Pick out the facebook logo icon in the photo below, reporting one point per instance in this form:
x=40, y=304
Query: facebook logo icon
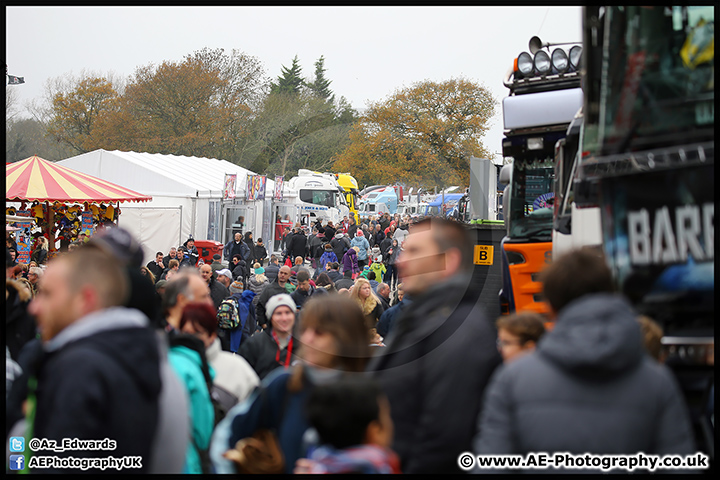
x=17, y=462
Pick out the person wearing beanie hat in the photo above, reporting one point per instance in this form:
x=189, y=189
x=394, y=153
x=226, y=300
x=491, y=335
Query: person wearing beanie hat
x=257, y=282
x=282, y=299
x=340, y=244
x=237, y=287
x=121, y=244
x=125, y=249
x=363, y=245
x=328, y=256
x=191, y=251
x=274, y=347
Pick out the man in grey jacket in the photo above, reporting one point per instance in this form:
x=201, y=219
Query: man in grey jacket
x=101, y=373
x=590, y=387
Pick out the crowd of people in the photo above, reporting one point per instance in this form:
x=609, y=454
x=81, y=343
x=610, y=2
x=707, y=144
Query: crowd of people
x=346, y=349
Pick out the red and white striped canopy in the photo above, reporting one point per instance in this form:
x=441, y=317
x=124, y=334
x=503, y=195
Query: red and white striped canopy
x=36, y=179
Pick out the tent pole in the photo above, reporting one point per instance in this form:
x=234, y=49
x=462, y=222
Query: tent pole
x=51, y=227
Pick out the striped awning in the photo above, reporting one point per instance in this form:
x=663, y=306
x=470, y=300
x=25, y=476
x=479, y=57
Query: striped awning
x=36, y=179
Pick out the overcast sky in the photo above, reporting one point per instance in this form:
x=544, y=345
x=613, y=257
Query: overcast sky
x=369, y=51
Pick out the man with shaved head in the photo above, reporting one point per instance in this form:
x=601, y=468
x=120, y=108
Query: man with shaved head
x=99, y=375
x=218, y=291
x=280, y=285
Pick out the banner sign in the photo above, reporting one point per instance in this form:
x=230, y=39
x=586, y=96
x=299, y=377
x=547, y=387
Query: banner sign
x=278, y=189
x=229, y=186
x=88, y=227
x=23, y=238
x=256, y=187
x=658, y=236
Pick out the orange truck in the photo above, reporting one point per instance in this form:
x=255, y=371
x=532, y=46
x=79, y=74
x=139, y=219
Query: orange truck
x=544, y=97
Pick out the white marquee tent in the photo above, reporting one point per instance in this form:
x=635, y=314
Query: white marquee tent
x=187, y=196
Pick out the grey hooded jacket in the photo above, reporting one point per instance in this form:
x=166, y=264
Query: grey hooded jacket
x=118, y=379
x=589, y=387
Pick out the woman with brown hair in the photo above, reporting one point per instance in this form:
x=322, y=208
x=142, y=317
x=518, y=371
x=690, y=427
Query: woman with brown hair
x=333, y=343
x=234, y=377
x=323, y=281
x=146, y=272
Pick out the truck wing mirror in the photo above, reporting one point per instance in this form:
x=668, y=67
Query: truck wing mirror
x=505, y=172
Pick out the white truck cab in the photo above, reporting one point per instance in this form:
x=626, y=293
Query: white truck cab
x=319, y=196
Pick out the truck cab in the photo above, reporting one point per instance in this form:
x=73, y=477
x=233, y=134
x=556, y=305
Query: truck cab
x=383, y=200
x=350, y=186
x=319, y=196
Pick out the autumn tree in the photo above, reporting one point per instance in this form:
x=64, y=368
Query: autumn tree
x=422, y=135
x=240, y=97
x=169, y=109
x=211, y=104
x=76, y=112
x=197, y=107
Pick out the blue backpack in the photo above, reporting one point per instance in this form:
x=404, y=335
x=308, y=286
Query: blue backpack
x=246, y=314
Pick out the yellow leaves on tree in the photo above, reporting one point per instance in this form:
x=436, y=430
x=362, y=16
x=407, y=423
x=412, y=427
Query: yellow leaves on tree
x=170, y=109
x=423, y=135
x=78, y=112
x=197, y=107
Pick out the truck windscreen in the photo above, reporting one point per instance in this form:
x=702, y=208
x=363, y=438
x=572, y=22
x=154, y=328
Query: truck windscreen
x=531, y=200
x=659, y=79
x=325, y=198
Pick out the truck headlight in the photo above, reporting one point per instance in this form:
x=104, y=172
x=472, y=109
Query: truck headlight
x=560, y=60
x=535, y=143
x=575, y=54
x=525, y=64
x=542, y=62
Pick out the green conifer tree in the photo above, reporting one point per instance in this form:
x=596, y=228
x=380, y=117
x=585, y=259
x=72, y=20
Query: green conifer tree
x=320, y=86
x=290, y=80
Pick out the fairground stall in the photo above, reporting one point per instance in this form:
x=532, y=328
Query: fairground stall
x=62, y=202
